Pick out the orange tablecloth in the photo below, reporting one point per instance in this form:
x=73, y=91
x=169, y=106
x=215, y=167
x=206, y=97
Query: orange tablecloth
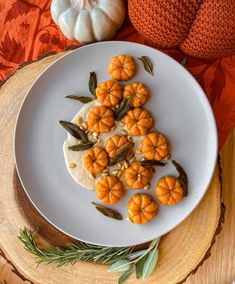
x=28, y=31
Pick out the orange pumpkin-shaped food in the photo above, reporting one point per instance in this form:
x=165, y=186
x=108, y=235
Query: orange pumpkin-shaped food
x=109, y=189
x=122, y=67
x=138, y=121
x=95, y=160
x=138, y=92
x=101, y=119
x=141, y=208
x=109, y=93
x=114, y=143
x=155, y=146
x=169, y=190
x=203, y=28
x=137, y=176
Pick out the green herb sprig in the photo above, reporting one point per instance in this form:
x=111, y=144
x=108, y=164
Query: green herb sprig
x=122, y=259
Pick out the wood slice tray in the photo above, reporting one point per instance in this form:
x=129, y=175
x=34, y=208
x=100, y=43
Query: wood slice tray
x=181, y=251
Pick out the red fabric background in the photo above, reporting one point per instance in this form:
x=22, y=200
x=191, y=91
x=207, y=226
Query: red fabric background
x=28, y=31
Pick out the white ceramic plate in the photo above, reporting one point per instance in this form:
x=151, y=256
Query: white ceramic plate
x=180, y=109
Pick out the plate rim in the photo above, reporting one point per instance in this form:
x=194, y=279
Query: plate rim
x=208, y=109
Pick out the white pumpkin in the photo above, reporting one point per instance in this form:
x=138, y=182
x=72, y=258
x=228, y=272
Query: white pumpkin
x=88, y=20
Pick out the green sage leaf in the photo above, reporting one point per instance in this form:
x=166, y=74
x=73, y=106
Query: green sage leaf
x=136, y=254
x=139, y=266
x=125, y=275
x=74, y=130
x=123, y=108
x=120, y=265
x=148, y=66
x=81, y=146
x=108, y=212
x=122, y=154
x=92, y=83
x=183, y=179
x=150, y=263
x=151, y=163
x=154, y=243
x=81, y=99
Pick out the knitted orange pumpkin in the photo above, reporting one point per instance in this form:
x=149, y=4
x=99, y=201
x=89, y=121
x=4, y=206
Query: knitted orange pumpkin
x=137, y=176
x=138, y=121
x=109, y=93
x=138, y=92
x=100, y=119
x=155, y=146
x=95, y=160
x=122, y=67
x=114, y=143
x=169, y=190
x=109, y=189
x=201, y=28
x=141, y=208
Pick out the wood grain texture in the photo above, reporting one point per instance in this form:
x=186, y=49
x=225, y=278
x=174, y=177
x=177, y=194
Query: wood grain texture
x=180, y=251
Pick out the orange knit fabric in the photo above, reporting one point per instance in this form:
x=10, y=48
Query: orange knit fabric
x=200, y=28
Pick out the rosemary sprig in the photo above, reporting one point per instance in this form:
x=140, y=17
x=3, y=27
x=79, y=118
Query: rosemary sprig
x=72, y=252
x=123, y=259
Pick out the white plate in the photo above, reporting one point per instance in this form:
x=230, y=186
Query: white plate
x=180, y=109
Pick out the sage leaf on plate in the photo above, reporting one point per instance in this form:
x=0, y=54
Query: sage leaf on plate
x=81, y=99
x=150, y=263
x=183, y=179
x=148, y=66
x=125, y=275
x=151, y=163
x=120, y=265
x=123, y=108
x=81, y=146
x=108, y=212
x=92, y=83
x=122, y=153
x=75, y=130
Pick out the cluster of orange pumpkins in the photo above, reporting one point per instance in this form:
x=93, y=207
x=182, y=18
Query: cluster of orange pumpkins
x=154, y=146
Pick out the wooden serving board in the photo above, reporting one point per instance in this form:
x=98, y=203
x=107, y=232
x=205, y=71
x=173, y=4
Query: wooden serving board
x=181, y=251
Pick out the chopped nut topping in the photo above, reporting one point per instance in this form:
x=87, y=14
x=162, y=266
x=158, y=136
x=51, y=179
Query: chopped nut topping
x=72, y=166
x=92, y=176
x=147, y=187
x=79, y=120
x=84, y=125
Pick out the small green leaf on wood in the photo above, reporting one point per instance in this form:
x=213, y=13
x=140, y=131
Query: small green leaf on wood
x=81, y=99
x=148, y=66
x=139, y=266
x=125, y=275
x=136, y=254
x=123, y=108
x=150, y=263
x=120, y=265
x=92, y=83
